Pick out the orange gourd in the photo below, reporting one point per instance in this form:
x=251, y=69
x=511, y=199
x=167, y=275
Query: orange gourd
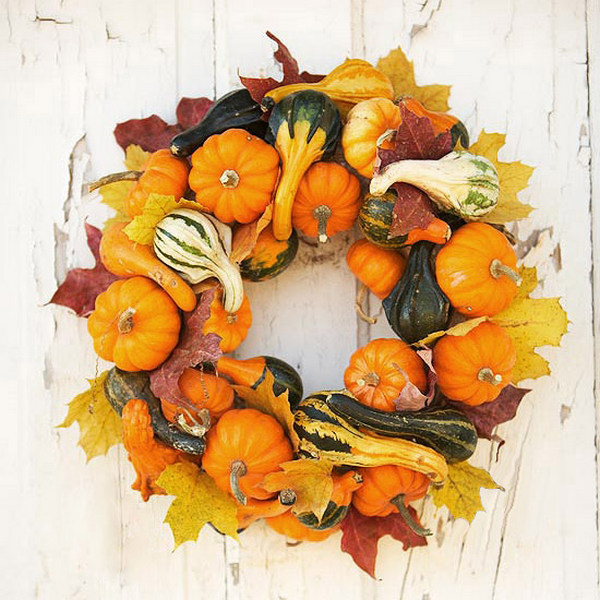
x=389, y=489
x=377, y=372
x=234, y=174
x=441, y=122
x=367, y=122
x=124, y=258
x=205, y=392
x=232, y=327
x=476, y=270
x=135, y=324
x=287, y=524
x=241, y=449
x=327, y=201
x=378, y=268
x=259, y=509
x=473, y=368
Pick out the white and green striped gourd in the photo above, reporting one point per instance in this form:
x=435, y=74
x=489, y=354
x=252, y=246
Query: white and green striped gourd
x=197, y=246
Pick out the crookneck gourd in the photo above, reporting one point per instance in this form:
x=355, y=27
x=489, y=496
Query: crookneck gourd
x=417, y=306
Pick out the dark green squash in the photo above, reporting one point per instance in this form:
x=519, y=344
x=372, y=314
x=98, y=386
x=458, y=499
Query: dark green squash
x=331, y=517
x=270, y=257
x=375, y=220
x=417, y=306
x=445, y=430
x=235, y=109
x=121, y=386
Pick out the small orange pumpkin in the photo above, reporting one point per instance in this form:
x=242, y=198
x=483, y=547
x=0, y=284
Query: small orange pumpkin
x=476, y=269
x=287, y=524
x=231, y=327
x=163, y=174
x=234, y=174
x=367, y=122
x=204, y=391
x=378, y=268
x=327, y=201
x=376, y=373
x=135, y=324
x=473, y=368
x=241, y=449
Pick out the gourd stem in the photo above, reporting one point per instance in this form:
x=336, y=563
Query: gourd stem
x=236, y=470
x=322, y=214
x=358, y=305
x=398, y=502
x=229, y=179
x=125, y=322
x=498, y=269
x=287, y=497
x=488, y=376
x=114, y=177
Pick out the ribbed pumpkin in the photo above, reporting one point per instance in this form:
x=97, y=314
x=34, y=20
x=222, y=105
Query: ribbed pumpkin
x=475, y=367
x=378, y=268
x=135, y=324
x=287, y=524
x=269, y=257
x=231, y=326
x=476, y=269
x=327, y=201
x=366, y=123
x=376, y=373
x=234, y=174
x=204, y=391
x=163, y=174
x=241, y=449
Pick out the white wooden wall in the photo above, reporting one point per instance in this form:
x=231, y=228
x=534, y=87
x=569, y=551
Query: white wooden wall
x=71, y=69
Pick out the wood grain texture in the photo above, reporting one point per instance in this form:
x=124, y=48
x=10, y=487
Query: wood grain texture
x=71, y=70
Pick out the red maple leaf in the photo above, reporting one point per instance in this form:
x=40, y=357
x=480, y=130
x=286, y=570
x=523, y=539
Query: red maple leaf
x=193, y=348
x=190, y=111
x=259, y=86
x=413, y=210
x=81, y=286
x=360, y=536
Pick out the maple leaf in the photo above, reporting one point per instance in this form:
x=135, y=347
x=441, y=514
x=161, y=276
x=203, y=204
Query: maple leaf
x=532, y=322
x=193, y=348
x=310, y=480
x=198, y=501
x=412, y=210
x=360, y=536
x=136, y=157
x=411, y=397
x=246, y=236
x=99, y=425
x=190, y=111
x=489, y=414
x=81, y=286
x=258, y=87
x=401, y=73
x=460, y=491
x=513, y=177
x=459, y=329
x=263, y=398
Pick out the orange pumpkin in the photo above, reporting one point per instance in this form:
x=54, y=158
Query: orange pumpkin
x=473, y=368
x=135, y=324
x=287, y=524
x=232, y=327
x=327, y=201
x=378, y=268
x=234, y=174
x=377, y=372
x=163, y=174
x=259, y=509
x=476, y=269
x=367, y=122
x=204, y=391
x=241, y=449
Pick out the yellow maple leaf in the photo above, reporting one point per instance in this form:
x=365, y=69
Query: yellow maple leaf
x=135, y=157
x=264, y=399
x=460, y=492
x=141, y=229
x=532, y=322
x=310, y=480
x=114, y=194
x=513, y=176
x=459, y=329
x=99, y=425
x=401, y=73
x=198, y=501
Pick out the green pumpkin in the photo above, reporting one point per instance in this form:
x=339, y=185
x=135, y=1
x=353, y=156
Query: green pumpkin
x=270, y=257
x=375, y=220
x=331, y=517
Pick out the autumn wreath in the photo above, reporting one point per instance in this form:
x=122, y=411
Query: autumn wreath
x=224, y=195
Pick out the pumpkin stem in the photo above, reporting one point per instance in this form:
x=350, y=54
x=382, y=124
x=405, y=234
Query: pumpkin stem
x=358, y=305
x=236, y=470
x=322, y=214
x=488, y=376
x=399, y=503
x=125, y=322
x=113, y=178
x=287, y=497
x=369, y=379
x=229, y=179
x=498, y=269
x=231, y=318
